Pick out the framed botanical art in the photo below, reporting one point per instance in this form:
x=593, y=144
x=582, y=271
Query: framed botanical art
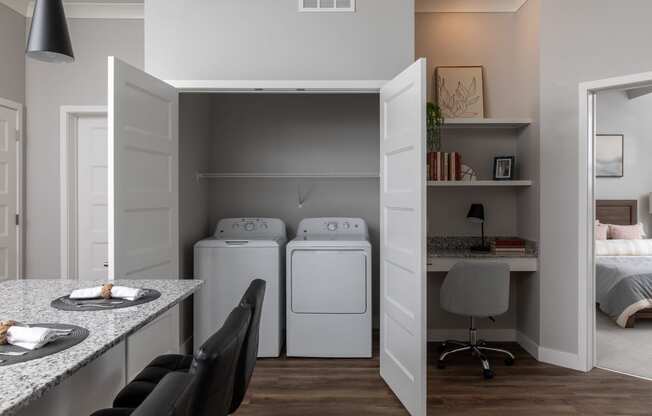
x=459, y=91
x=609, y=152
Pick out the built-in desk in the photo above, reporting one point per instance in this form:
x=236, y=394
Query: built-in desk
x=444, y=252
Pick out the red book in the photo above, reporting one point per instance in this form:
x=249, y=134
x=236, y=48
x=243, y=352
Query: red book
x=458, y=167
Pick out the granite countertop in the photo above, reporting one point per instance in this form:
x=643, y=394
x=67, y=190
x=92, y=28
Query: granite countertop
x=461, y=247
x=29, y=301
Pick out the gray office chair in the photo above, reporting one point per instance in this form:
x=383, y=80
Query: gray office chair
x=477, y=290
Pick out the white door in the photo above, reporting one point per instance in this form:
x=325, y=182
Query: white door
x=143, y=175
x=92, y=183
x=403, y=363
x=9, y=134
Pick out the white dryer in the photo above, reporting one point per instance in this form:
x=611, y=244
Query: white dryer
x=328, y=272
x=242, y=249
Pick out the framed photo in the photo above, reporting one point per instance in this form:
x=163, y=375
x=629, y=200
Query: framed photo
x=609, y=152
x=504, y=168
x=459, y=91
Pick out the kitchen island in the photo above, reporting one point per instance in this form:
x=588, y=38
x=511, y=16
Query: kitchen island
x=87, y=376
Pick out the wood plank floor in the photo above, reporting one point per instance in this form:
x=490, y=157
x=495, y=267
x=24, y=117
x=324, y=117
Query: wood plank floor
x=325, y=387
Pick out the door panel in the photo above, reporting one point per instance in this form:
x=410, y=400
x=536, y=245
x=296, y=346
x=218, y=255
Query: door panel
x=8, y=193
x=403, y=363
x=143, y=175
x=92, y=183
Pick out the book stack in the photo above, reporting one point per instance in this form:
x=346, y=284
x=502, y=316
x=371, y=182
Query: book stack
x=444, y=166
x=508, y=246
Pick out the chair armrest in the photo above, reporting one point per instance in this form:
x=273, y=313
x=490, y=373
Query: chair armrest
x=162, y=400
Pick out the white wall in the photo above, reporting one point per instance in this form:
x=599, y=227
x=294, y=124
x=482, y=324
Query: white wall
x=271, y=40
x=619, y=115
x=582, y=40
x=12, y=55
x=50, y=86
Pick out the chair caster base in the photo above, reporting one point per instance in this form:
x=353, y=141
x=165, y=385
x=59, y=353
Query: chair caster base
x=488, y=374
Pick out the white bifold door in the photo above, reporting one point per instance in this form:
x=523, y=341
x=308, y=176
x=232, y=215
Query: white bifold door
x=143, y=197
x=403, y=363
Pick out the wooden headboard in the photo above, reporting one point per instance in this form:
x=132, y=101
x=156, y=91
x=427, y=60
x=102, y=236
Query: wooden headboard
x=620, y=212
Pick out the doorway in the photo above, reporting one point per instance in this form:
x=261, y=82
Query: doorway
x=592, y=290
x=84, y=190
x=11, y=166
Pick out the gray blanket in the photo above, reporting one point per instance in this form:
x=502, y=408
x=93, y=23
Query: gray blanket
x=623, y=286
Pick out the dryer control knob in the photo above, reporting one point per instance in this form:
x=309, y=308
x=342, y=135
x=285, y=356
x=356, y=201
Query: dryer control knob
x=346, y=225
x=331, y=226
x=250, y=226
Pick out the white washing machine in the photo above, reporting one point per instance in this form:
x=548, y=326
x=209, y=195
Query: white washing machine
x=328, y=272
x=242, y=249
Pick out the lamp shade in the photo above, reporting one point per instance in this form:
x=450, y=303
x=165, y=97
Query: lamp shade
x=49, y=39
x=476, y=213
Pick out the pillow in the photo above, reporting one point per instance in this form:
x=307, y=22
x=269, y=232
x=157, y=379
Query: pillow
x=623, y=248
x=626, y=232
x=601, y=231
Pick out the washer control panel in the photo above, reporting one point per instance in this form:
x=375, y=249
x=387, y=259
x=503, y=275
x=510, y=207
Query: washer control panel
x=245, y=228
x=338, y=226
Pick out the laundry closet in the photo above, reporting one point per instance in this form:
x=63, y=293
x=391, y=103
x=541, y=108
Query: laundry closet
x=184, y=154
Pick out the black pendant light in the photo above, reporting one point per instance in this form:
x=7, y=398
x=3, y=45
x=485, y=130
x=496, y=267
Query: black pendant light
x=49, y=39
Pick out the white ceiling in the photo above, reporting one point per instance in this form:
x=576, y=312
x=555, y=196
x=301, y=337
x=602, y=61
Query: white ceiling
x=104, y=9
x=468, y=6
x=133, y=9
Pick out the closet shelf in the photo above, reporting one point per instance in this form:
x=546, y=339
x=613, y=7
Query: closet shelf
x=486, y=123
x=363, y=175
x=522, y=183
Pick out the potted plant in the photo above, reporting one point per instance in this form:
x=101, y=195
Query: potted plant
x=434, y=121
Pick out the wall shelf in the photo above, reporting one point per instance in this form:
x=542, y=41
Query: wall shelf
x=486, y=123
x=363, y=175
x=460, y=184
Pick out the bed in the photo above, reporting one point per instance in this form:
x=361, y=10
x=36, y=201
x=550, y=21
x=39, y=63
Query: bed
x=623, y=267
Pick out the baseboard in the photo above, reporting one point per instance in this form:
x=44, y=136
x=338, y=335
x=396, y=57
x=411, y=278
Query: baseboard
x=560, y=358
x=491, y=335
x=528, y=344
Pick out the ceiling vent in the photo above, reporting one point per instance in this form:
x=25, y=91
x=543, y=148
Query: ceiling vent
x=326, y=5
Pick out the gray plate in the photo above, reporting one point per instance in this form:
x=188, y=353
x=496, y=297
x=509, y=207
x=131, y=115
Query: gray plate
x=77, y=335
x=64, y=303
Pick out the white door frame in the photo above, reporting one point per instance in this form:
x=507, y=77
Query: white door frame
x=586, y=259
x=20, y=167
x=68, y=164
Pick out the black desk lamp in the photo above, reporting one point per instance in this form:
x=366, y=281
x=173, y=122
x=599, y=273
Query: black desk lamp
x=476, y=215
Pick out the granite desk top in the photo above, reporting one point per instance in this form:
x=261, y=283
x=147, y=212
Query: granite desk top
x=460, y=247
x=29, y=301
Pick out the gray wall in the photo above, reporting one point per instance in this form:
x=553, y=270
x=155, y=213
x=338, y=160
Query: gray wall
x=582, y=40
x=619, y=115
x=49, y=86
x=506, y=45
x=12, y=51
x=271, y=40
x=297, y=133
x=526, y=98
x=486, y=39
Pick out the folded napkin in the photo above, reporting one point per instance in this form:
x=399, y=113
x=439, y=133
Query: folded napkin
x=32, y=338
x=88, y=293
x=128, y=293
x=119, y=292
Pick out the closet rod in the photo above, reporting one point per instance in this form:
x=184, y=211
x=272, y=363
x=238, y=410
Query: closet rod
x=203, y=175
